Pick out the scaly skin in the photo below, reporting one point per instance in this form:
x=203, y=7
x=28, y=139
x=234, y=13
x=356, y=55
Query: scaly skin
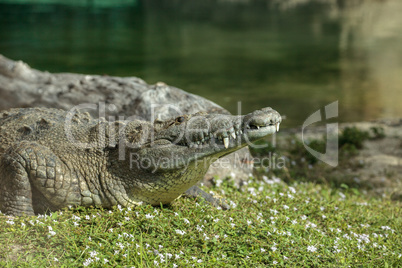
x=50, y=159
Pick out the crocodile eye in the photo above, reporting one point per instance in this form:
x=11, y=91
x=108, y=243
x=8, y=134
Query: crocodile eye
x=180, y=119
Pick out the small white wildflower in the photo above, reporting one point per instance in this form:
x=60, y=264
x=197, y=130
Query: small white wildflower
x=262, y=250
x=186, y=221
x=149, y=216
x=180, y=232
x=93, y=253
x=342, y=195
x=311, y=248
x=273, y=248
x=87, y=262
x=52, y=233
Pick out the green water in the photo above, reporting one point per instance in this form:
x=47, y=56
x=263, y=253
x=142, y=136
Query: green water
x=296, y=58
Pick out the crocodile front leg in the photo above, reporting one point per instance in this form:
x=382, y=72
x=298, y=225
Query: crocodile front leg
x=33, y=180
x=196, y=192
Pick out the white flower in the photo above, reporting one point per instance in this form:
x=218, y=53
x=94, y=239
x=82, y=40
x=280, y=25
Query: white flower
x=262, y=250
x=93, y=253
x=273, y=248
x=180, y=232
x=311, y=248
x=186, y=221
x=52, y=233
x=87, y=262
x=149, y=216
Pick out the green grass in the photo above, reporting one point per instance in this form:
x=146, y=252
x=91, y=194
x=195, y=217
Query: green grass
x=270, y=223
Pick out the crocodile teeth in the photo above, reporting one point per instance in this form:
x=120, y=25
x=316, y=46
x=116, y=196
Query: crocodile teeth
x=277, y=127
x=226, y=142
x=233, y=135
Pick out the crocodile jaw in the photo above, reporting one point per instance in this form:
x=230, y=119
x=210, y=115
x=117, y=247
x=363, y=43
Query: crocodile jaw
x=207, y=136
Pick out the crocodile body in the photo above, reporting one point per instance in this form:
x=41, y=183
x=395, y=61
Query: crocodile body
x=51, y=158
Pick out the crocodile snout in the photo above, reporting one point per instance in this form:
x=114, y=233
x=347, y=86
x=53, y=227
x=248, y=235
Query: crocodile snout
x=262, y=118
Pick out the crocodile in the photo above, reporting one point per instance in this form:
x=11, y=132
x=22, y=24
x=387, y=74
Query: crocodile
x=52, y=158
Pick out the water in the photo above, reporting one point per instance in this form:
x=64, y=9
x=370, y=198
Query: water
x=295, y=56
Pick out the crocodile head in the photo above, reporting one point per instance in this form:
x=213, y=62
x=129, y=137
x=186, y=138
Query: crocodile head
x=171, y=156
x=176, y=143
